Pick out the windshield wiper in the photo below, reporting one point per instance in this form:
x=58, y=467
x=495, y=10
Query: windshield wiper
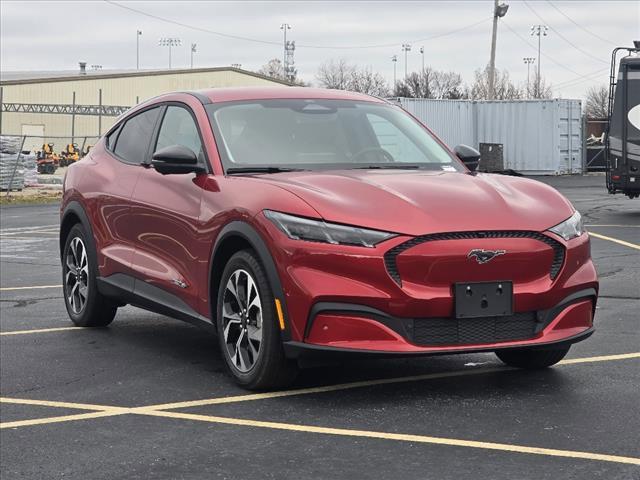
x=237, y=170
x=390, y=166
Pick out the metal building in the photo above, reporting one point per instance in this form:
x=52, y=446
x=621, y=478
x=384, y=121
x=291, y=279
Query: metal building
x=87, y=103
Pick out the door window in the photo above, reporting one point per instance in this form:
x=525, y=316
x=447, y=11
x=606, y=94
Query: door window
x=134, y=138
x=179, y=128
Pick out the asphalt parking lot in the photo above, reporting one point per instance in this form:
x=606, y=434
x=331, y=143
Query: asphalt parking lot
x=148, y=397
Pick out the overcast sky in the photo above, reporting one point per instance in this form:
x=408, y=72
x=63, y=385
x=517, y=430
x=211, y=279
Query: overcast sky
x=54, y=35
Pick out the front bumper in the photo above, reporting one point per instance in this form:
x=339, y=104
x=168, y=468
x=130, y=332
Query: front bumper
x=343, y=298
x=343, y=329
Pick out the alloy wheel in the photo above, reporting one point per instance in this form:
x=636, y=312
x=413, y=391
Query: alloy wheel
x=76, y=279
x=242, y=320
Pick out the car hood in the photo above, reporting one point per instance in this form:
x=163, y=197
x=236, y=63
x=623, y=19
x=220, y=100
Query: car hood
x=416, y=203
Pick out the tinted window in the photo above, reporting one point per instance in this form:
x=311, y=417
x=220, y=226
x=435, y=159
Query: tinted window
x=135, y=136
x=112, y=137
x=179, y=128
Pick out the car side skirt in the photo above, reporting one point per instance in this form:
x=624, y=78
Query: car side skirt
x=128, y=289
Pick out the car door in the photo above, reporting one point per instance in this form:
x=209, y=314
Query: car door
x=112, y=183
x=165, y=216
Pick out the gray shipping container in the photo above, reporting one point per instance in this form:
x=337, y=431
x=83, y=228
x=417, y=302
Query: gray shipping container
x=540, y=137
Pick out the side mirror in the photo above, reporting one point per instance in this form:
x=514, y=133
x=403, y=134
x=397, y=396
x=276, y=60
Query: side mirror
x=468, y=155
x=176, y=159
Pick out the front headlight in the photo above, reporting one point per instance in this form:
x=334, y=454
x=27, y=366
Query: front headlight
x=571, y=228
x=299, y=228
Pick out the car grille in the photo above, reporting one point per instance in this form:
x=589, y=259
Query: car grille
x=451, y=331
x=392, y=267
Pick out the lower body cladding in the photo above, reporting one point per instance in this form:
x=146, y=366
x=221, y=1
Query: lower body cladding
x=345, y=300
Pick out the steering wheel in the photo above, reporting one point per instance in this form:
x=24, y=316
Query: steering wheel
x=388, y=157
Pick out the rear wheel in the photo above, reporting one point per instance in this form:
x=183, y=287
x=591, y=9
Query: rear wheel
x=532, y=358
x=85, y=305
x=248, y=331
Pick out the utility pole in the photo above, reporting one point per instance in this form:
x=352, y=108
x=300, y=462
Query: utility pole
x=539, y=31
x=499, y=11
x=284, y=27
x=422, y=53
x=405, y=48
x=193, y=50
x=138, y=33
x=394, y=59
x=169, y=42
x=528, y=61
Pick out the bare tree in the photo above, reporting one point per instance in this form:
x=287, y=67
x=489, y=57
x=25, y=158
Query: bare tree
x=365, y=80
x=597, y=103
x=335, y=74
x=341, y=75
x=431, y=83
x=273, y=68
x=504, y=88
x=539, y=89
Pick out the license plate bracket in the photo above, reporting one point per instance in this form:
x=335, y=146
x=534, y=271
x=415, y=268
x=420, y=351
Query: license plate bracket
x=483, y=299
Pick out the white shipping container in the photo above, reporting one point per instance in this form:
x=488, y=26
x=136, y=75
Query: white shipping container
x=451, y=120
x=540, y=137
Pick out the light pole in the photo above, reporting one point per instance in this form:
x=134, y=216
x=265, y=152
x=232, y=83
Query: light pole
x=169, y=42
x=528, y=61
x=499, y=11
x=405, y=48
x=539, y=31
x=422, y=53
x=193, y=50
x=284, y=27
x=138, y=33
x=394, y=59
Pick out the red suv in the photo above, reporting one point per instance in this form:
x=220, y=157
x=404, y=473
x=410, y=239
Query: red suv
x=303, y=222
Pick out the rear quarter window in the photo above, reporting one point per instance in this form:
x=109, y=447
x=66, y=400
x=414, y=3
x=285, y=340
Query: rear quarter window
x=134, y=137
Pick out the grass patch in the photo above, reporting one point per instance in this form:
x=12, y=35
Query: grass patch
x=31, y=197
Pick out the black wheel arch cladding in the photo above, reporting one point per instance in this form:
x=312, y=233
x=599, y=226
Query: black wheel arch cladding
x=247, y=237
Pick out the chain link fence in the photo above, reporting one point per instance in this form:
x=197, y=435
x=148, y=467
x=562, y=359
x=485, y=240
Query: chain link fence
x=35, y=161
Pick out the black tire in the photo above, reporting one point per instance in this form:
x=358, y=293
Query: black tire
x=532, y=358
x=96, y=310
x=269, y=369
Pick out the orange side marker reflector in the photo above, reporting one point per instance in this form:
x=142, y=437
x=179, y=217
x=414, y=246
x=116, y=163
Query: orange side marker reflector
x=280, y=315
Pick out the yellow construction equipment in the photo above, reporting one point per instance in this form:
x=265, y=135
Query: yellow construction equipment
x=69, y=155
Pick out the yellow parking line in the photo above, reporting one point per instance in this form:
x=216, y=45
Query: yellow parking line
x=40, y=330
x=615, y=240
x=399, y=437
x=327, y=388
x=371, y=383
x=155, y=410
x=54, y=404
x=109, y=410
x=35, y=287
x=602, y=358
x=63, y=418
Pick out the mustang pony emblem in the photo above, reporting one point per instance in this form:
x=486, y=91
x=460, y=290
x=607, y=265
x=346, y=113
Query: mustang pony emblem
x=483, y=256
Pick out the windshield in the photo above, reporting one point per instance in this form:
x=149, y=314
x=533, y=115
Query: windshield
x=319, y=134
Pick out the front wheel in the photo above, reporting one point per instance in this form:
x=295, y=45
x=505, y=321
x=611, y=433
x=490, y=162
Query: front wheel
x=248, y=331
x=532, y=358
x=86, y=306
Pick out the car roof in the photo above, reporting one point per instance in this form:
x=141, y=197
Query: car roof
x=216, y=95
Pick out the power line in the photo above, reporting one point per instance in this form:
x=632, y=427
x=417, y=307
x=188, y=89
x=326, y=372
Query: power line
x=584, y=52
x=268, y=42
x=588, y=77
x=580, y=26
